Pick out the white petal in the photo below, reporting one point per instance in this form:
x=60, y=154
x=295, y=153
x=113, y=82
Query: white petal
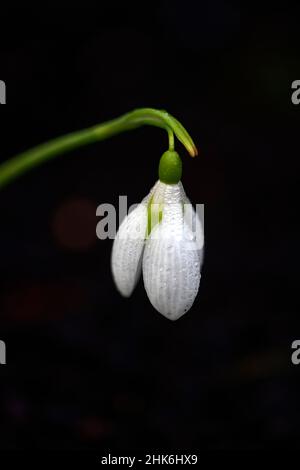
x=171, y=267
x=128, y=246
x=192, y=219
x=168, y=193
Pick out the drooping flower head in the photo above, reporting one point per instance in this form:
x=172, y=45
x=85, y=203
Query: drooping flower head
x=163, y=237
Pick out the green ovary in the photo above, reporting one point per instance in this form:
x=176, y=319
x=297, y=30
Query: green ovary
x=170, y=167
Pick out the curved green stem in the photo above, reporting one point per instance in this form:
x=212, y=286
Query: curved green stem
x=16, y=166
x=171, y=139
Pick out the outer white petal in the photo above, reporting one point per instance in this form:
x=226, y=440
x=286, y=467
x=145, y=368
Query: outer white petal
x=168, y=193
x=192, y=219
x=128, y=246
x=195, y=223
x=171, y=266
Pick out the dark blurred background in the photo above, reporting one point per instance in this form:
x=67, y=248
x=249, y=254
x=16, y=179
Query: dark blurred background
x=87, y=369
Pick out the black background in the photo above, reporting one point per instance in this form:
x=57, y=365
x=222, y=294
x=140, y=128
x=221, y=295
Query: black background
x=87, y=369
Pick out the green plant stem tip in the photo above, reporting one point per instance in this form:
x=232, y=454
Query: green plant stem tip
x=18, y=165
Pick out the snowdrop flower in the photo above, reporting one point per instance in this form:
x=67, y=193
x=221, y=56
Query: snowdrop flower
x=162, y=237
x=158, y=237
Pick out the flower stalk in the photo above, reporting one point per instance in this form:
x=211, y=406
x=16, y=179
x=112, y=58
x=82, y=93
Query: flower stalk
x=24, y=162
